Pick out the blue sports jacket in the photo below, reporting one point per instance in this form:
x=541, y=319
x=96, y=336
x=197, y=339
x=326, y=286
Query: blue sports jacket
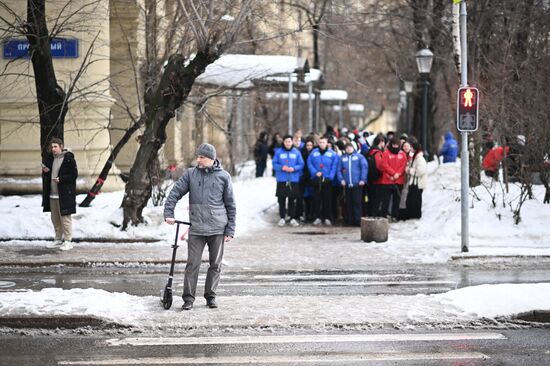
x=449, y=150
x=326, y=163
x=353, y=169
x=291, y=158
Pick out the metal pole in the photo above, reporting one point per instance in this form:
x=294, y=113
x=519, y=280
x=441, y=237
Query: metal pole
x=407, y=117
x=340, y=115
x=464, y=158
x=317, y=111
x=290, y=98
x=425, y=112
x=310, y=105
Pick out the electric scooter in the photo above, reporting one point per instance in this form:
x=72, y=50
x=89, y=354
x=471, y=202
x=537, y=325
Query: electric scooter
x=166, y=295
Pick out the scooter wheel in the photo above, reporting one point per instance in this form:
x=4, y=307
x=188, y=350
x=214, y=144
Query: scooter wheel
x=167, y=299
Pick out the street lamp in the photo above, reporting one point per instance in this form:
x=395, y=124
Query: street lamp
x=424, y=60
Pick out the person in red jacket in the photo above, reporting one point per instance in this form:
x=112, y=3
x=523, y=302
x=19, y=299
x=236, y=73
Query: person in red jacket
x=491, y=161
x=392, y=168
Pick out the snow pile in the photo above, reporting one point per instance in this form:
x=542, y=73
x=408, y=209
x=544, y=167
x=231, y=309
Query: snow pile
x=456, y=306
x=490, y=301
x=120, y=308
x=436, y=236
x=22, y=216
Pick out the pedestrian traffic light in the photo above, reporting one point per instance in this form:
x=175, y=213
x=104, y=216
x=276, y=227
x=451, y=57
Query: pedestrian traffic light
x=467, y=109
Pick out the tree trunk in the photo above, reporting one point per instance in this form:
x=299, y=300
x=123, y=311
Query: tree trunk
x=174, y=87
x=52, y=105
x=94, y=191
x=316, y=63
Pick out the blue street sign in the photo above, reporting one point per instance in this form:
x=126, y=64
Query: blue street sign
x=60, y=48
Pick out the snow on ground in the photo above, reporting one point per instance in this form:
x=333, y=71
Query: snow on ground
x=434, y=238
x=456, y=306
x=22, y=216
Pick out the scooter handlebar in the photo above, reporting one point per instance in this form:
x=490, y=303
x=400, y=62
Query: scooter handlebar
x=183, y=222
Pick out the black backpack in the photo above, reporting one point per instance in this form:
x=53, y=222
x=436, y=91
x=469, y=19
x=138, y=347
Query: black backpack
x=373, y=173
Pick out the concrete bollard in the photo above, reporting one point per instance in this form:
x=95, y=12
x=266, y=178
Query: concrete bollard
x=374, y=229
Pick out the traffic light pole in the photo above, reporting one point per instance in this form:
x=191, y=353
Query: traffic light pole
x=464, y=156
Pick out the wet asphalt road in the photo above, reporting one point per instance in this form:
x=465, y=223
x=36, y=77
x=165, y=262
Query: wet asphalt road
x=506, y=347
x=498, y=346
x=427, y=279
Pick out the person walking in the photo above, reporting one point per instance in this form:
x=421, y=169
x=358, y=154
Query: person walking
x=212, y=213
x=322, y=164
x=288, y=166
x=352, y=175
x=260, y=154
x=59, y=173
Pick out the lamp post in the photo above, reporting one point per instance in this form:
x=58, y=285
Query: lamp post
x=408, y=89
x=424, y=60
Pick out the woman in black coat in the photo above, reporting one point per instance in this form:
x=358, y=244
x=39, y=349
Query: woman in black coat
x=59, y=173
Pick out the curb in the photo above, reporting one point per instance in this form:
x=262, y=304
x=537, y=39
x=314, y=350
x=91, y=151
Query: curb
x=539, y=316
x=504, y=256
x=53, y=322
x=89, y=263
x=92, y=240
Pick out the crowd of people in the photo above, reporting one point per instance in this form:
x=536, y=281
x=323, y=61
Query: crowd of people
x=345, y=175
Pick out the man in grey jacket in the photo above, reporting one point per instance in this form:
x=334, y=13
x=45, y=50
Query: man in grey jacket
x=212, y=214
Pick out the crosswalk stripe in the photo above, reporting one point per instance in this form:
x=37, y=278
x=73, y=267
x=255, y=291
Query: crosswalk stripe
x=388, y=337
x=294, y=359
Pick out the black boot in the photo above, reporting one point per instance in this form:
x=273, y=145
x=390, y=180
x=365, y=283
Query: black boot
x=211, y=303
x=187, y=305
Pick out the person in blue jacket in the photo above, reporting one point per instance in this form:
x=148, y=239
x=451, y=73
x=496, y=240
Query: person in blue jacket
x=449, y=150
x=322, y=164
x=288, y=166
x=352, y=175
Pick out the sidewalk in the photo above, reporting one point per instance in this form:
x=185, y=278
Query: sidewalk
x=25, y=253
x=302, y=248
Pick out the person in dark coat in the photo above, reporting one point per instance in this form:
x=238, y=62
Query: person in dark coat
x=305, y=182
x=260, y=154
x=59, y=173
x=276, y=143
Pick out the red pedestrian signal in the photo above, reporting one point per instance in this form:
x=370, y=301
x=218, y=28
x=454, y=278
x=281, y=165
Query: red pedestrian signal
x=467, y=109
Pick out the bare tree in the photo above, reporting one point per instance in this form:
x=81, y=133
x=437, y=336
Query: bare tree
x=212, y=36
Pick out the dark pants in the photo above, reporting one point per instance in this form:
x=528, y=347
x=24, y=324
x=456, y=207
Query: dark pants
x=354, y=200
x=308, y=207
x=389, y=196
x=195, y=247
x=291, y=207
x=260, y=168
x=414, y=203
x=322, y=198
x=300, y=200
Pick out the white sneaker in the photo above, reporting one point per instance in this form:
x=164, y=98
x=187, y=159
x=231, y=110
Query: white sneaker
x=67, y=245
x=55, y=245
x=294, y=223
x=282, y=222
x=328, y=223
x=317, y=222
